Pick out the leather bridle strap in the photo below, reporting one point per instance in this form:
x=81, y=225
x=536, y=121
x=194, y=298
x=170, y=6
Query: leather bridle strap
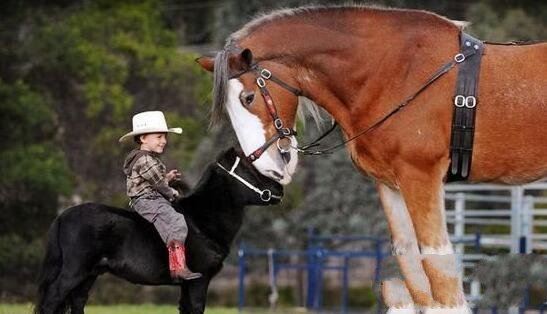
x=264, y=75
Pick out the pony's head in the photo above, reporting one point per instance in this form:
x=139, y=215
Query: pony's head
x=246, y=184
x=251, y=90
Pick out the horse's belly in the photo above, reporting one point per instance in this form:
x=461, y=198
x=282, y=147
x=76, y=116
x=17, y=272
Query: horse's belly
x=511, y=159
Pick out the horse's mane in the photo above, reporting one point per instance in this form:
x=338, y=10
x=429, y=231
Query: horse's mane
x=275, y=15
x=306, y=107
x=203, y=181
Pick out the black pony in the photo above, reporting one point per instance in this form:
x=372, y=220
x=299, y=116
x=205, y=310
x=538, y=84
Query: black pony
x=88, y=240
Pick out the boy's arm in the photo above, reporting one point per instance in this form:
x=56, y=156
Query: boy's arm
x=151, y=172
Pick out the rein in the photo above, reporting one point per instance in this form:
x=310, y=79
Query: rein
x=281, y=132
x=265, y=195
x=458, y=58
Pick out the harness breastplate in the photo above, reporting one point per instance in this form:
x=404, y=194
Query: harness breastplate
x=465, y=105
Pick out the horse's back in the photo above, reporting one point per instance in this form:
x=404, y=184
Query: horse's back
x=510, y=141
x=100, y=238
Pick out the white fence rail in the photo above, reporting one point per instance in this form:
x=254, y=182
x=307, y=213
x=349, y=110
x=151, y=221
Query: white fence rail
x=515, y=218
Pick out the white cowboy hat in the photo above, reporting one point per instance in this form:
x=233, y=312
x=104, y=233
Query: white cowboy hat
x=149, y=122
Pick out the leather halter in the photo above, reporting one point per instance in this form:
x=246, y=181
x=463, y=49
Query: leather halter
x=262, y=76
x=265, y=195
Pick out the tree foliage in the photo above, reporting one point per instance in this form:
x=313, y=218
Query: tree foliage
x=71, y=78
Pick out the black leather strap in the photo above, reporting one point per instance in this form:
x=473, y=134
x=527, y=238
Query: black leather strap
x=465, y=104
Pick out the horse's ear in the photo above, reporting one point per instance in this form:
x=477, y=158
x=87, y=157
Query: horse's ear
x=208, y=63
x=247, y=56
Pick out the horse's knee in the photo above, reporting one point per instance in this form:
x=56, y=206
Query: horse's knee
x=444, y=248
x=404, y=247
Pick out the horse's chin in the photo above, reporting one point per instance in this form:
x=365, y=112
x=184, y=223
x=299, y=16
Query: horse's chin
x=274, y=167
x=286, y=179
x=282, y=178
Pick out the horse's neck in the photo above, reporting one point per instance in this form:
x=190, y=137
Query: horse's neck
x=363, y=61
x=217, y=215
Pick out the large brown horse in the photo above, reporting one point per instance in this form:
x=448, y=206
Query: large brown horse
x=358, y=63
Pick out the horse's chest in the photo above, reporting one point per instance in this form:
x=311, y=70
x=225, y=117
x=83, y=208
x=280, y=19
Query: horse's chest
x=370, y=165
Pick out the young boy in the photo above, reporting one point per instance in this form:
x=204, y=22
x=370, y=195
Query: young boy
x=148, y=189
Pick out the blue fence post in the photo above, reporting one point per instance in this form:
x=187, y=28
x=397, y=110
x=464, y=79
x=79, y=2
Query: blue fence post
x=525, y=300
x=318, y=280
x=379, y=257
x=522, y=245
x=345, y=283
x=478, y=242
x=312, y=269
x=242, y=270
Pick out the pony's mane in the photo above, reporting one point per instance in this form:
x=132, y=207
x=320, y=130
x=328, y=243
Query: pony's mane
x=306, y=107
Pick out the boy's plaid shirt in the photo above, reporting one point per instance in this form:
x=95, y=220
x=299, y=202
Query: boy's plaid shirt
x=146, y=175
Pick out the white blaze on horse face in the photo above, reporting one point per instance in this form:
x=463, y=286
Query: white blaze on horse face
x=251, y=135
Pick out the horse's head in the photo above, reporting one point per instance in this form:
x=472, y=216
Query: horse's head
x=261, y=99
x=245, y=183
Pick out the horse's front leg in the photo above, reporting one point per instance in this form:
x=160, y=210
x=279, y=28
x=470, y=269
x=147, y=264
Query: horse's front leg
x=402, y=297
x=423, y=193
x=193, y=295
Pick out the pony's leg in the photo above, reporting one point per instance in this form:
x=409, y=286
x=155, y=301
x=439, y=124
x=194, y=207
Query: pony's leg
x=424, y=197
x=193, y=296
x=405, y=248
x=56, y=298
x=80, y=295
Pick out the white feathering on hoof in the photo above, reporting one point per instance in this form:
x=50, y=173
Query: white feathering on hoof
x=462, y=309
x=403, y=310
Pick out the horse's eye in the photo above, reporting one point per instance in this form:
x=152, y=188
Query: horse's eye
x=247, y=98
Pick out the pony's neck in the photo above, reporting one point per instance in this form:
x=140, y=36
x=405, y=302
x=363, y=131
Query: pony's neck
x=365, y=60
x=217, y=215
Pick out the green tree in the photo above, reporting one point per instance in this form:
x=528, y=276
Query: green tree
x=98, y=65
x=507, y=21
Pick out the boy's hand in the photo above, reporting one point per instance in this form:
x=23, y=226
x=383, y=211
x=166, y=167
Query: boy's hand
x=173, y=174
x=176, y=195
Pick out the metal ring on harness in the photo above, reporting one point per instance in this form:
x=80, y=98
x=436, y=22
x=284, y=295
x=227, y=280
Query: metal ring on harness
x=284, y=148
x=470, y=102
x=459, y=101
x=460, y=57
x=266, y=74
x=260, y=82
x=266, y=195
x=278, y=124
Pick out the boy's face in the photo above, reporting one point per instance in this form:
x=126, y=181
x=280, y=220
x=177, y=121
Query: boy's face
x=154, y=142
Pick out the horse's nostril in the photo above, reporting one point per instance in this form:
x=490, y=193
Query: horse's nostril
x=277, y=175
x=286, y=157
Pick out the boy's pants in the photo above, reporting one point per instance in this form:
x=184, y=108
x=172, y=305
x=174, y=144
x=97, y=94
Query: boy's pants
x=156, y=209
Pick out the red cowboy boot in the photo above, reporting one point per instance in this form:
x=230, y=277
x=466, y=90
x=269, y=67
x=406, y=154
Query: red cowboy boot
x=177, y=262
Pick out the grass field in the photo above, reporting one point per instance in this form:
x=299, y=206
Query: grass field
x=115, y=309
x=145, y=309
